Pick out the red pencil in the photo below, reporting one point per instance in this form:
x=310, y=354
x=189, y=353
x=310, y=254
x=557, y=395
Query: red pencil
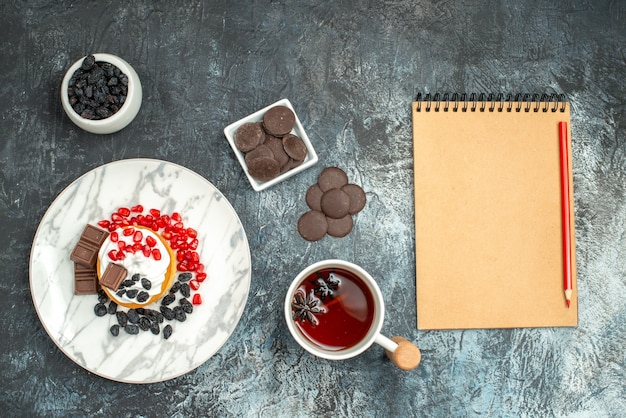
x=565, y=214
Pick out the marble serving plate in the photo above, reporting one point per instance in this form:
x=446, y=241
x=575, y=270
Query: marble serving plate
x=70, y=320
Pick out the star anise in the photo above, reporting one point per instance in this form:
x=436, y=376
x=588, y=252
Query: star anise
x=326, y=288
x=305, y=307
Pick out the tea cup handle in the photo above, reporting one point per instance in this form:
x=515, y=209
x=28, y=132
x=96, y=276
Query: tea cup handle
x=404, y=354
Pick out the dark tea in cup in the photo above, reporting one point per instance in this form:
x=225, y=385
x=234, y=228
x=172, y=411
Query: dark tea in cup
x=333, y=309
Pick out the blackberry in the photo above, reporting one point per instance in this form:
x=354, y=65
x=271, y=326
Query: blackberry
x=167, y=331
x=115, y=330
x=122, y=318
x=179, y=314
x=144, y=323
x=185, y=290
x=100, y=309
x=142, y=296
x=112, y=309
x=184, y=277
x=168, y=299
x=186, y=305
x=147, y=284
x=131, y=329
x=167, y=313
x=132, y=293
x=133, y=316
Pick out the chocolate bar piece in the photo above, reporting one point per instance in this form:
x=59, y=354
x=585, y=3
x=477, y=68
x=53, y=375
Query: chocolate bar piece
x=94, y=235
x=86, y=250
x=113, y=276
x=85, y=280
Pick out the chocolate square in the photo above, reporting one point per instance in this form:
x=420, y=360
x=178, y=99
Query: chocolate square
x=113, y=276
x=93, y=235
x=85, y=280
x=85, y=254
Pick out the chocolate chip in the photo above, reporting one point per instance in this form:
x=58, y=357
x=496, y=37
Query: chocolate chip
x=339, y=227
x=312, y=226
x=264, y=168
x=335, y=203
x=314, y=197
x=332, y=178
x=279, y=120
x=357, y=197
x=259, y=152
x=276, y=146
x=294, y=147
x=248, y=136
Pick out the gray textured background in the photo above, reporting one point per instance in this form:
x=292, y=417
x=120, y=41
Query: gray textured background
x=351, y=69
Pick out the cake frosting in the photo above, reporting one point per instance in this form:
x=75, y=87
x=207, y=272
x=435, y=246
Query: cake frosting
x=158, y=271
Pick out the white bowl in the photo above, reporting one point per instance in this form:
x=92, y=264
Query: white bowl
x=123, y=116
x=309, y=161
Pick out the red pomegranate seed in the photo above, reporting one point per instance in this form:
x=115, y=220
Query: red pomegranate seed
x=155, y=212
x=193, y=245
x=112, y=227
x=199, y=268
x=192, y=233
x=138, y=236
x=120, y=255
x=194, y=284
x=146, y=251
x=128, y=232
x=176, y=216
x=156, y=254
x=200, y=277
x=167, y=235
x=154, y=226
x=121, y=245
x=197, y=299
x=123, y=211
x=112, y=255
x=114, y=236
x=116, y=217
x=104, y=223
x=130, y=250
x=181, y=266
x=180, y=255
x=150, y=241
x=137, y=208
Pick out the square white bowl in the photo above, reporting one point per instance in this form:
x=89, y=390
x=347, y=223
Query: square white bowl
x=309, y=160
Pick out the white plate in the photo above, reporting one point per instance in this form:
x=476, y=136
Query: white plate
x=70, y=320
x=311, y=156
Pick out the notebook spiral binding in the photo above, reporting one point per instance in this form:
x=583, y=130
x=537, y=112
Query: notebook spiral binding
x=490, y=102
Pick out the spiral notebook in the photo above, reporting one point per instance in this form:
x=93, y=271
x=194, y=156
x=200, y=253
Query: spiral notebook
x=489, y=212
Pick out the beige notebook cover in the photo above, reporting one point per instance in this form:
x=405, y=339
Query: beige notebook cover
x=488, y=216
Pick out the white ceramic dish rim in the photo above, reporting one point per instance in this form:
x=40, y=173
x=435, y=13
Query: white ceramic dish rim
x=310, y=160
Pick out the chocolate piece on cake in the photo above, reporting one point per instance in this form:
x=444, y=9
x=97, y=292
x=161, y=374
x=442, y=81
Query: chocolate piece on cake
x=113, y=276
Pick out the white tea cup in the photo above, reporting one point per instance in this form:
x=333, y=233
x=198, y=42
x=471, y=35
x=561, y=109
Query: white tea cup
x=312, y=295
